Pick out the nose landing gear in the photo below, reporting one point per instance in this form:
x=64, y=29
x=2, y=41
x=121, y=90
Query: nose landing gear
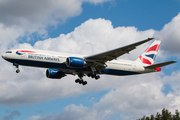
x=17, y=71
x=17, y=66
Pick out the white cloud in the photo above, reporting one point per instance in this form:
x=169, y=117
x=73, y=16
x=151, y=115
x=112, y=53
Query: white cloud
x=131, y=98
x=133, y=95
x=170, y=36
x=98, y=36
x=35, y=117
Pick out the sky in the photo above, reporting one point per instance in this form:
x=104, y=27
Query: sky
x=88, y=27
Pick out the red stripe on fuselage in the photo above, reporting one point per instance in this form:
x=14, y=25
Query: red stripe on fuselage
x=153, y=48
x=26, y=51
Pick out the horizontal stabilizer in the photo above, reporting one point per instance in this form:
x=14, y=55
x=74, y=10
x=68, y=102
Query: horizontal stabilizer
x=160, y=65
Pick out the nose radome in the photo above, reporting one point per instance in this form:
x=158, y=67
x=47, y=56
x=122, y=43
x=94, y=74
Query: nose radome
x=3, y=56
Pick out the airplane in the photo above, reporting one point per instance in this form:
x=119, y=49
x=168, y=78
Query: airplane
x=61, y=64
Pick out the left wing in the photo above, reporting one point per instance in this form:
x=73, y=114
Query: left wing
x=98, y=60
x=113, y=54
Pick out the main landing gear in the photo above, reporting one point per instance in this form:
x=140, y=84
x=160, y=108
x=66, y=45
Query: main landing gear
x=81, y=81
x=17, y=66
x=93, y=75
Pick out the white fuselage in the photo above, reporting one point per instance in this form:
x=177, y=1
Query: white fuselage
x=57, y=60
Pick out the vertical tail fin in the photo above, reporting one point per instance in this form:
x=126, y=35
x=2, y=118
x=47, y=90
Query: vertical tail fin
x=150, y=53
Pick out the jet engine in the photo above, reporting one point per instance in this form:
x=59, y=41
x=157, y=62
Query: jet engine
x=75, y=62
x=54, y=74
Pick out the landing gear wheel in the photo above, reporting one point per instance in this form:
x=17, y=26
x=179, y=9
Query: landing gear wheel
x=77, y=80
x=80, y=81
x=84, y=83
x=17, y=66
x=17, y=71
x=93, y=76
x=97, y=77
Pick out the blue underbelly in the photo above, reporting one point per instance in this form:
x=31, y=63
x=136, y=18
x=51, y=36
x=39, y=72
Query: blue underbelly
x=63, y=66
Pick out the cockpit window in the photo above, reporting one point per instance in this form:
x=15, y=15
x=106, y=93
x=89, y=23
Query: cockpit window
x=9, y=52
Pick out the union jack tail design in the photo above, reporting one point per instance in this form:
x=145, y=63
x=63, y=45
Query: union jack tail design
x=150, y=53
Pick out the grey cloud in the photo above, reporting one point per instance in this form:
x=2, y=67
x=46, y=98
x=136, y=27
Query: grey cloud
x=72, y=112
x=39, y=111
x=36, y=15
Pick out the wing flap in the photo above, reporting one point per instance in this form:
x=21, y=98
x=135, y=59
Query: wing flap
x=160, y=65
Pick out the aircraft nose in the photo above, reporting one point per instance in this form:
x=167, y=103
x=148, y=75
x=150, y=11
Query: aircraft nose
x=3, y=56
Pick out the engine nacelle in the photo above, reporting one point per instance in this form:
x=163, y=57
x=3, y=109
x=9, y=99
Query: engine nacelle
x=75, y=62
x=54, y=74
